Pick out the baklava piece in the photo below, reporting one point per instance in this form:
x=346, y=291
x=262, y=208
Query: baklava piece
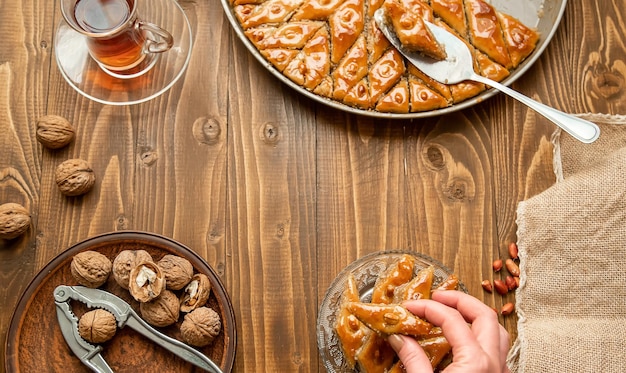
x=352, y=333
x=451, y=12
x=485, y=31
x=411, y=30
x=376, y=355
x=418, y=288
x=397, y=274
x=396, y=100
x=387, y=319
x=520, y=39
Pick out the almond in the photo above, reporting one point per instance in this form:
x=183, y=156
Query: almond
x=513, y=251
x=486, y=284
x=500, y=287
x=512, y=267
x=510, y=282
x=497, y=265
x=507, y=309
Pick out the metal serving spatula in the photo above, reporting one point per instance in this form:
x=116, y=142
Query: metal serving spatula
x=458, y=67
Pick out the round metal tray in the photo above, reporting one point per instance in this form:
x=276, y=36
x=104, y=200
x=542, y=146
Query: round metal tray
x=544, y=15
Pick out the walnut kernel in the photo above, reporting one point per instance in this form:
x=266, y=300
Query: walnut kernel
x=14, y=220
x=125, y=261
x=196, y=293
x=75, y=177
x=90, y=268
x=162, y=311
x=54, y=132
x=146, y=282
x=97, y=326
x=200, y=327
x=178, y=271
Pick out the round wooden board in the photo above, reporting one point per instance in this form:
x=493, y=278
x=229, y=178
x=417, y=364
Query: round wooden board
x=34, y=340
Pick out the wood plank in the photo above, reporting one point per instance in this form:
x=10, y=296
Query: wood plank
x=271, y=220
x=592, y=44
x=24, y=73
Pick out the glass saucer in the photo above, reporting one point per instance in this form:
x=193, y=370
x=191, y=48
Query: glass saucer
x=139, y=84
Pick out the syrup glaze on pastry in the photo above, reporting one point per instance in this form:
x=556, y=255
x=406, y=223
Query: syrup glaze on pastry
x=346, y=47
x=389, y=319
x=451, y=283
x=352, y=333
x=376, y=355
x=399, y=273
x=411, y=30
x=486, y=32
x=418, y=288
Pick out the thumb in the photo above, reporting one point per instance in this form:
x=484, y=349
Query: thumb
x=410, y=353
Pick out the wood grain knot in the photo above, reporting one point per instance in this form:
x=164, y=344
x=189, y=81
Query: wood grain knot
x=270, y=133
x=207, y=130
x=213, y=237
x=435, y=157
x=297, y=359
x=219, y=268
x=280, y=230
x=605, y=81
x=608, y=84
x=456, y=190
x=148, y=157
x=121, y=222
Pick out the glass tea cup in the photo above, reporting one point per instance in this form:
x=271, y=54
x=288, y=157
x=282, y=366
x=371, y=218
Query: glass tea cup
x=116, y=38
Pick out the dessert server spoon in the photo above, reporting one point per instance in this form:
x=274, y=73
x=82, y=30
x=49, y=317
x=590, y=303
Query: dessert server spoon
x=458, y=67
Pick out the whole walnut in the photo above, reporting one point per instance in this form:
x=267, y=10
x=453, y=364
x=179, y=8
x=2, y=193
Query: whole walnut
x=125, y=261
x=162, y=311
x=54, y=132
x=196, y=293
x=97, y=326
x=200, y=327
x=146, y=282
x=75, y=177
x=90, y=268
x=14, y=220
x=177, y=270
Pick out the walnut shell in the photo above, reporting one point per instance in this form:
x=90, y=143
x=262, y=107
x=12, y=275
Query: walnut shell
x=178, y=271
x=54, y=132
x=125, y=261
x=90, y=268
x=196, y=293
x=146, y=282
x=75, y=177
x=14, y=220
x=97, y=326
x=162, y=311
x=200, y=327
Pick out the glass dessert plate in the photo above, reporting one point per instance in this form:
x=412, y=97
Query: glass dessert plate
x=366, y=271
x=163, y=70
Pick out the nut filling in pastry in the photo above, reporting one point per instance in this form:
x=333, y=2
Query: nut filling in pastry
x=334, y=49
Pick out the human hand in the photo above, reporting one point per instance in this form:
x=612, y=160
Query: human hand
x=479, y=347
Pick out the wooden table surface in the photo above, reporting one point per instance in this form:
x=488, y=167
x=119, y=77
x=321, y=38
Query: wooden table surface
x=277, y=192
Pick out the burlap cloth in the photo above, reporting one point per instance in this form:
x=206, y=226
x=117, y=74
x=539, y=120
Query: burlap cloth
x=571, y=302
